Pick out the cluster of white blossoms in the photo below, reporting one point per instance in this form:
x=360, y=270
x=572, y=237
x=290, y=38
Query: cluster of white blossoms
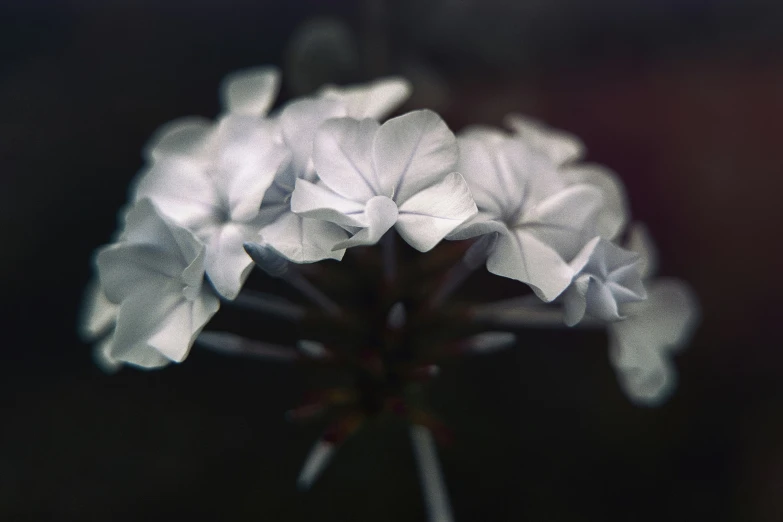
x=328, y=173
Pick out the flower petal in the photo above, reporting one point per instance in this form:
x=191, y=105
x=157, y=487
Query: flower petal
x=123, y=267
x=613, y=216
x=250, y=91
x=183, y=137
x=319, y=202
x=520, y=255
x=654, y=328
x=380, y=214
x=601, y=302
x=560, y=146
x=478, y=164
x=640, y=241
x=342, y=156
x=374, y=100
x=428, y=216
x=299, y=122
x=153, y=251
x=565, y=221
x=98, y=313
x=575, y=300
x=482, y=223
x=227, y=263
x=304, y=240
x=412, y=152
x=182, y=325
x=181, y=189
x=139, y=317
x=248, y=162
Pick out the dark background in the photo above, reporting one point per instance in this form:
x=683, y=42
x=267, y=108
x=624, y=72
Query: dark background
x=684, y=99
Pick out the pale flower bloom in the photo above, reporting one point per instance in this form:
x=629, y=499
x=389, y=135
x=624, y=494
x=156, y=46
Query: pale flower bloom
x=156, y=276
x=559, y=146
x=641, y=346
x=373, y=177
x=211, y=178
x=300, y=238
x=323, y=174
x=543, y=223
x=610, y=278
x=564, y=150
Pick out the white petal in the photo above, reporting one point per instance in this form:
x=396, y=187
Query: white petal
x=101, y=355
x=184, y=137
x=613, y=215
x=181, y=189
x=98, y=313
x=299, y=122
x=412, y=152
x=342, y=156
x=527, y=175
x=479, y=165
x=154, y=252
x=640, y=241
x=380, y=214
x=575, y=300
x=140, y=316
x=245, y=163
x=561, y=146
x=319, y=202
x=146, y=225
x=227, y=263
x=250, y=91
x=646, y=376
x=478, y=225
x=565, y=220
x=123, y=267
x=428, y=216
x=601, y=302
x=182, y=325
x=375, y=100
x=520, y=255
x=669, y=314
x=304, y=240
x=641, y=344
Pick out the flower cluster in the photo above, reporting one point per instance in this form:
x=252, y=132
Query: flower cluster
x=328, y=173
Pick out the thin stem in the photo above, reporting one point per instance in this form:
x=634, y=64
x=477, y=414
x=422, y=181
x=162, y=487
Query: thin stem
x=277, y=266
x=312, y=292
x=436, y=496
x=526, y=312
x=473, y=258
x=233, y=344
x=269, y=304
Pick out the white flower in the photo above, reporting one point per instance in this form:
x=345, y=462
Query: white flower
x=155, y=274
x=543, y=222
x=561, y=147
x=250, y=91
x=564, y=150
x=610, y=278
x=375, y=100
x=99, y=315
x=373, y=177
x=299, y=238
x=641, y=346
x=211, y=178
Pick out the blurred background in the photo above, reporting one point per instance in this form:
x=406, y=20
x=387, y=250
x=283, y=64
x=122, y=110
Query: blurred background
x=682, y=98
